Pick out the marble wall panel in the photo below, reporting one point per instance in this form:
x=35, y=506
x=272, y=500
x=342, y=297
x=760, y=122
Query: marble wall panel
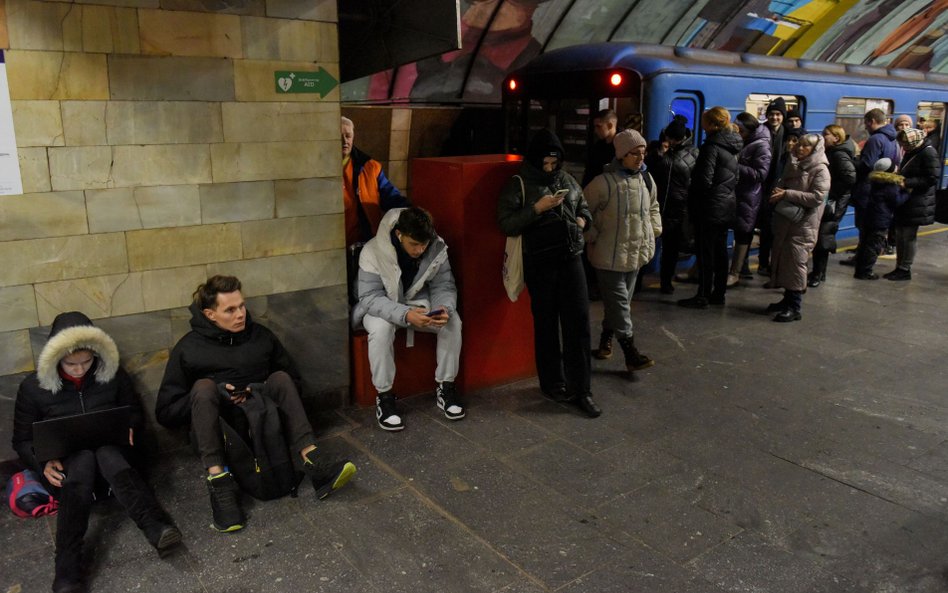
x=176, y=33
x=276, y=122
x=84, y=122
x=110, y=30
x=168, y=205
x=166, y=289
x=247, y=7
x=284, y=236
x=329, y=42
x=34, y=170
x=305, y=197
x=45, y=75
x=276, y=39
x=314, y=10
x=286, y=273
x=99, y=297
x=166, y=164
x=254, y=80
x=156, y=249
x=4, y=34
x=38, y=123
x=398, y=174
x=140, y=333
x=32, y=216
x=112, y=210
x=170, y=78
x=255, y=161
x=80, y=167
x=129, y=3
x=37, y=25
x=164, y=122
x=16, y=354
x=236, y=202
x=17, y=308
x=62, y=258
x=398, y=145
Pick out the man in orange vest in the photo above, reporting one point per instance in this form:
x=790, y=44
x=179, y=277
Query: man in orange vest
x=367, y=191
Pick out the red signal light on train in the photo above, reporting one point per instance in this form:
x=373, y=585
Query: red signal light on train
x=512, y=84
x=615, y=79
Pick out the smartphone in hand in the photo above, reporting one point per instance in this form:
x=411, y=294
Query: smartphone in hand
x=435, y=312
x=561, y=193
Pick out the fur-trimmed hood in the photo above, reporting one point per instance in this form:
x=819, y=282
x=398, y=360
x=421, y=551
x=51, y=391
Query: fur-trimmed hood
x=886, y=177
x=71, y=332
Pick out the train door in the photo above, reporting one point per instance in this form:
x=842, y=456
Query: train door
x=930, y=117
x=687, y=104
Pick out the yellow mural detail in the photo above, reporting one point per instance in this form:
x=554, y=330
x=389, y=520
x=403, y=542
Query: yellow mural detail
x=821, y=15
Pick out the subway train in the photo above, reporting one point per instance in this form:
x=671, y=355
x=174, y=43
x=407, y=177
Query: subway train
x=647, y=85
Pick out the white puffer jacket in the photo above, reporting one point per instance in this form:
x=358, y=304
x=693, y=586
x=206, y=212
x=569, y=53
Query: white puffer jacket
x=626, y=220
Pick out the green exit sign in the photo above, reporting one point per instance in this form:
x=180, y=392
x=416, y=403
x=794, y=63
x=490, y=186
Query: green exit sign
x=290, y=81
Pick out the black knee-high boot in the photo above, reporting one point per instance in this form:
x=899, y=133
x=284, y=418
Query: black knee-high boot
x=72, y=520
x=140, y=503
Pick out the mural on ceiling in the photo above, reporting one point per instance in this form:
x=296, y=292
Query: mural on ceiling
x=501, y=35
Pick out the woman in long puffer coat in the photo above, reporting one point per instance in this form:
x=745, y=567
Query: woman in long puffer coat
x=920, y=168
x=753, y=165
x=841, y=153
x=803, y=187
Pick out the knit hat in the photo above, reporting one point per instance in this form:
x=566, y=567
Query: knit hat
x=794, y=113
x=911, y=138
x=883, y=164
x=778, y=104
x=625, y=141
x=903, y=118
x=793, y=132
x=676, y=130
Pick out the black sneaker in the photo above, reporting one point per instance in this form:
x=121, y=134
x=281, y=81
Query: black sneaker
x=849, y=261
x=898, y=275
x=327, y=477
x=386, y=413
x=695, y=302
x=449, y=402
x=225, y=503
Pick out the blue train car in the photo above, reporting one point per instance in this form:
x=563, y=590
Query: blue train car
x=648, y=84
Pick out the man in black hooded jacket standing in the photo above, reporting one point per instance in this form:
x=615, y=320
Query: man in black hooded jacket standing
x=225, y=359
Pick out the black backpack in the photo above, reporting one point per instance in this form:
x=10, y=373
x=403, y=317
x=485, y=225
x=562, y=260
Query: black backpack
x=256, y=453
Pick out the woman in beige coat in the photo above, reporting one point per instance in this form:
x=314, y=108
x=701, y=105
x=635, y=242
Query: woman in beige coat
x=798, y=208
x=626, y=219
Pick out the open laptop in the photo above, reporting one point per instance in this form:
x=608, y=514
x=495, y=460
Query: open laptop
x=58, y=437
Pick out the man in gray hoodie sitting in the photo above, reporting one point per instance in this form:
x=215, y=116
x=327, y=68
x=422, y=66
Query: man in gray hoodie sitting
x=405, y=280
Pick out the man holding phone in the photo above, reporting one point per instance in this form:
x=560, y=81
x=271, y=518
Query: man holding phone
x=405, y=280
x=225, y=359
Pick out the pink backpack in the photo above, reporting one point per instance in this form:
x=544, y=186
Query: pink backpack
x=28, y=497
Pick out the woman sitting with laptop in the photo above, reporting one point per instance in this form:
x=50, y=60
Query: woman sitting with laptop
x=78, y=372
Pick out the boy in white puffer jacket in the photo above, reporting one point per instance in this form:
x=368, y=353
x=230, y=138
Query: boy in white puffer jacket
x=626, y=221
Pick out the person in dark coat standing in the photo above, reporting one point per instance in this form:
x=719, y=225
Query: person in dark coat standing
x=753, y=165
x=545, y=205
x=776, y=112
x=672, y=175
x=921, y=170
x=78, y=371
x=712, y=204
x=885, y=194
x=841, y=153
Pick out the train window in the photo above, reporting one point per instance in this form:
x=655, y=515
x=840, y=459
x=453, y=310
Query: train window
x=851, y=112
x=930, y=117
x=686, y=107
x=756, y=103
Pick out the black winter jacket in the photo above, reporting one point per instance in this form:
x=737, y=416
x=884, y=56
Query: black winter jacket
x=921, y=171
x=711, y=197
x=842, y=168
x=673, y=177
x=209, y=352
x=44, y=395
x=885, y=194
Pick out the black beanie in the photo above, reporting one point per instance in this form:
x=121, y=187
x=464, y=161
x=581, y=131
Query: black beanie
x=777, y=104
x=794, y=113
x=676, y=130
x=543, y=144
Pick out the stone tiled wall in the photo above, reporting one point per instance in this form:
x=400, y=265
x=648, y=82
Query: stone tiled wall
x=154, y=152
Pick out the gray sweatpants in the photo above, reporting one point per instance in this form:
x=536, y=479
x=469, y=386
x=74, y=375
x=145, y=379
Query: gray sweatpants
x=616, y=290
x=382, y=350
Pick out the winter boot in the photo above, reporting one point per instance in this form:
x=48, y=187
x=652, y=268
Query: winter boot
x=634, y=360
x=604, y=352
x=140, y=503
x=225, y=503
x=71, y=523
x=737, y=260
x=327, y=476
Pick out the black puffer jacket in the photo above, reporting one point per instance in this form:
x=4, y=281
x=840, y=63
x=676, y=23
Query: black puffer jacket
x=842, y=167
x=921, y=171
x=673, y=177
x=44, y=395
x=516, y=215
x=711, y=197
x=209, y=352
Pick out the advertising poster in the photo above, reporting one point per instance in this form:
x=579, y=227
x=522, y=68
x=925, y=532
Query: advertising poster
x=10, y=182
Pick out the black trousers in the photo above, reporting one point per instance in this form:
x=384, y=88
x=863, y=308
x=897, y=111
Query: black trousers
x=672, y=238
x=559, y=302
x=871, y=242
x=765, y=224
x=207, y=405
x=711, y=244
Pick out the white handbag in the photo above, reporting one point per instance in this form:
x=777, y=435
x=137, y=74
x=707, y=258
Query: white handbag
x=513, y=258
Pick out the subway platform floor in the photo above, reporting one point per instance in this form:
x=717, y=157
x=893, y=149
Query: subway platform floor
x=807, y=457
